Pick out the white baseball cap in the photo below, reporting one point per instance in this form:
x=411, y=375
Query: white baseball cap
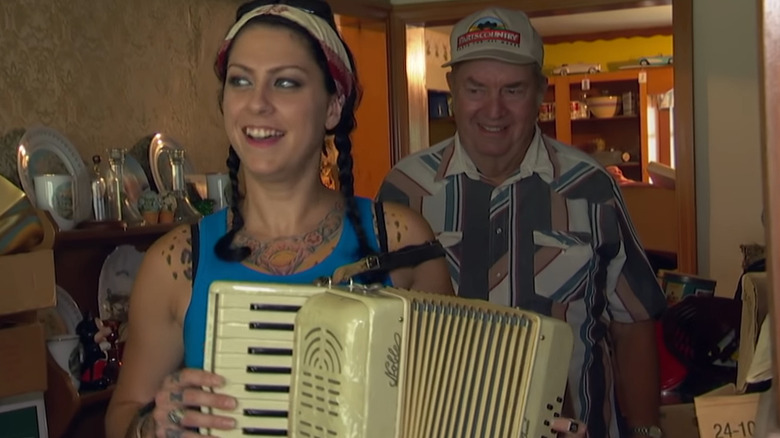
x=496, y=33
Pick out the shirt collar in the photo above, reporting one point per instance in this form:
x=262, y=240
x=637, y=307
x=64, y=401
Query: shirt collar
x=537, y=160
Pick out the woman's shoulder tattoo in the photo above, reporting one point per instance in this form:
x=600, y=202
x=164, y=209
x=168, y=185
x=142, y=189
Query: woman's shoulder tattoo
x=178, y=255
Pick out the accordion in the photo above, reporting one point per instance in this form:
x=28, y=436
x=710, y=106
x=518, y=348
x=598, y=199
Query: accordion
x=375, y=361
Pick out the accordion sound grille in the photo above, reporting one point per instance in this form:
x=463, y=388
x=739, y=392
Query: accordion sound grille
x=249, y=341
x=466, y=365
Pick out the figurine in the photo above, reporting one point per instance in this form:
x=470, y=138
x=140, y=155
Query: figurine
x=93, y=337
x=149, y=204
x=167, y=207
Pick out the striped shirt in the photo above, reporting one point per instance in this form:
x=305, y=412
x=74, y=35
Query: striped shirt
x=553, y=238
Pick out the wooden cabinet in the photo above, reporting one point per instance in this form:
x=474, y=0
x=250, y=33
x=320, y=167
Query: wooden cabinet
x=640, y=136
x=643, y=135
x=78, y=259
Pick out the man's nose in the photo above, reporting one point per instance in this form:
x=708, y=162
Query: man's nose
x=495, y=106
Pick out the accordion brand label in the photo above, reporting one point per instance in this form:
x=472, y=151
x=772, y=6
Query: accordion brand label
x=393, y=362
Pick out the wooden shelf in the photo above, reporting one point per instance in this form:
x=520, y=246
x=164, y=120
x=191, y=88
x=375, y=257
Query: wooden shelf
x=66, y=407
x=605, y=119
x=79, y=256
x=609, y=76
x=112, y=235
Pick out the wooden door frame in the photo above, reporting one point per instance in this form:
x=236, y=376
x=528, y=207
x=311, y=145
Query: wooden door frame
x=769, y=53
x=435, y=13
x=373, y=9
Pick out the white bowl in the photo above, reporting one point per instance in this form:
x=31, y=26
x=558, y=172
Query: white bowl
x=603, y=107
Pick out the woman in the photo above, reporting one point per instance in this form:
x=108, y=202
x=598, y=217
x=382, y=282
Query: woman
x=287, y=81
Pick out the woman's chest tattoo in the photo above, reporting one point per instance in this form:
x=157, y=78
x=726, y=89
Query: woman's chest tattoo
x=287, y=255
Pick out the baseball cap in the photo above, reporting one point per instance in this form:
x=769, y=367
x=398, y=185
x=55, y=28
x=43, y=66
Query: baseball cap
x=496, y=33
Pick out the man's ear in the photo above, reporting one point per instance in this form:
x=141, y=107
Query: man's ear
x=449, y=79
x=335, y=106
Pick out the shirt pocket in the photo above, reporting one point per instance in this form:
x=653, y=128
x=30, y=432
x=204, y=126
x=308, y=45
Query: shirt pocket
x=562, y=261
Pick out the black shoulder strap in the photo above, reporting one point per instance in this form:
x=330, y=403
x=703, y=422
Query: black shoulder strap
x=379, y=215
x=409, y=256
x=195, y=239
x=385, y=262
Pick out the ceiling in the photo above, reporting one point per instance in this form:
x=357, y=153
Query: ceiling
x=596, y=22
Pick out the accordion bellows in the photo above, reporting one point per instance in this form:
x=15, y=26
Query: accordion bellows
x=382, y=362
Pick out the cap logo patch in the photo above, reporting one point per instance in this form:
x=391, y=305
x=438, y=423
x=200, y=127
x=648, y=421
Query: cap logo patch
x=488, y=29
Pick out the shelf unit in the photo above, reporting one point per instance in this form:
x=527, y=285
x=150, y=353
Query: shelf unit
x=78, y=258
x=625, y=133
x=622, y=133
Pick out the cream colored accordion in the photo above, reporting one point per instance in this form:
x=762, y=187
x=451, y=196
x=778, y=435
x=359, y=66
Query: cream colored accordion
x=376, y=362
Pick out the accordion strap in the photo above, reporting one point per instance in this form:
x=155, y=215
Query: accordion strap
x=407, y=256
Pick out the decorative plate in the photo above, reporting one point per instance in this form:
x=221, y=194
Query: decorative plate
x=116, y=282
x=159, y=152
x=140, y=151
x=68, y=310
x=42, y=151
x=135, y=179
x=9, y=144
x=52, y=321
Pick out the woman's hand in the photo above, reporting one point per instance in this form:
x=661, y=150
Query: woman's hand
x=569, y=428
x=177, y=404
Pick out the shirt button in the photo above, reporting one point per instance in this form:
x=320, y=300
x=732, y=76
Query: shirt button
x=499, y=230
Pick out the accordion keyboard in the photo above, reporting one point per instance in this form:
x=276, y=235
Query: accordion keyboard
x=249, y=341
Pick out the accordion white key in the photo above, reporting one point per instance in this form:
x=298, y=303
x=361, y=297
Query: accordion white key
x=382, y=362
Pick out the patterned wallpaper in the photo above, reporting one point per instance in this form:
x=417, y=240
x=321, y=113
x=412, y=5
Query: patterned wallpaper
x=109, y=73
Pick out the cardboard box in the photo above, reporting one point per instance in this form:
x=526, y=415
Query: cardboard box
x=720, y=414
x=27, y=282
x=23, y=363
x=755, y=306
x=727, y=411
x=679, y=421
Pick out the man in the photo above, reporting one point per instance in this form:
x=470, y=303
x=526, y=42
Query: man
x=530, y=222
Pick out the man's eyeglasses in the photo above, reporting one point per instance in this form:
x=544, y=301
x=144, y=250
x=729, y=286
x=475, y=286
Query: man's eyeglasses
x=315, y=7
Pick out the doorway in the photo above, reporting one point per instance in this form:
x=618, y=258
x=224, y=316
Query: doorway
x=367, y=38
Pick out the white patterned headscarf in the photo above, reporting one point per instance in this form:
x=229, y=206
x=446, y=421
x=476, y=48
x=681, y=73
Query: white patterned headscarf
x=336, y=53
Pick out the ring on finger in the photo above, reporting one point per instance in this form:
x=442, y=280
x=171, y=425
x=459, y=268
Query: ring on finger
x=175, y=416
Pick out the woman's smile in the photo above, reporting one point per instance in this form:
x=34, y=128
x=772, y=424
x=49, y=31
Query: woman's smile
x=262, y=137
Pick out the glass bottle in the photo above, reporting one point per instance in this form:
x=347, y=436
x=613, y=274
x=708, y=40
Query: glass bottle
x=119, y=206
x=98, y=191
x=116, y=161
x=184, y=212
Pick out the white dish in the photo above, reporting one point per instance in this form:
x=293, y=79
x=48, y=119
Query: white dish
x=116, y=282
x=159, y=163
x=68, y=310
x=43, y=150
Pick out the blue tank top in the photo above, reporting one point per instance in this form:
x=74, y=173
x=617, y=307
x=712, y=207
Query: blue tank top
x=210, y=268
